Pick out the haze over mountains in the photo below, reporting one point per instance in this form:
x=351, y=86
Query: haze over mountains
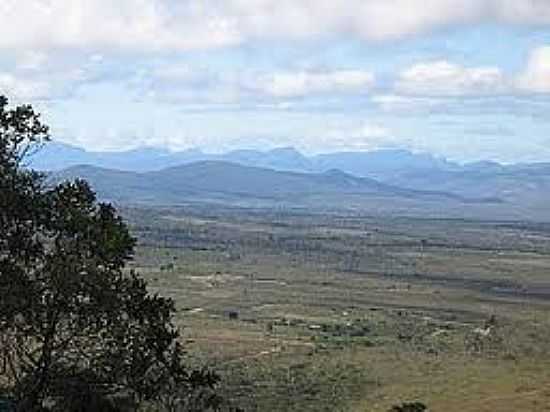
x=390, y=181
x=58, y=156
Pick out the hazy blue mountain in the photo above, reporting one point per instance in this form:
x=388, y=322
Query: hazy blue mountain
x=163, y=176
x=286, y=159
x=234, y=183
x=56, y=156
x=381, y=164
x=377, y=164
x=525, y=187
x=483, y=166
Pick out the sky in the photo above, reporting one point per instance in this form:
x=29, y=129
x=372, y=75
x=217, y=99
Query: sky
x=463, y=79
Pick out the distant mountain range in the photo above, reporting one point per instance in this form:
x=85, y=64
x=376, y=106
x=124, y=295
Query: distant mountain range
x=390, y=181
x=238, y=185
x=229, y=179
x=57, y=156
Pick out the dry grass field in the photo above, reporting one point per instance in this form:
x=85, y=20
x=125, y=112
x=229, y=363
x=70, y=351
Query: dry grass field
x=305, y=312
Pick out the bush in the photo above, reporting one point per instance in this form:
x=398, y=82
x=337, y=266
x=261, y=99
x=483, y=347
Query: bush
x=409, y=407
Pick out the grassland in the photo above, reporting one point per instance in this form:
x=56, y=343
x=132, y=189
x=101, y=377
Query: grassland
x=306, y=312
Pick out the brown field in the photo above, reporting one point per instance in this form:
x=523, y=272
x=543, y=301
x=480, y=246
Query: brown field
x=305, y=312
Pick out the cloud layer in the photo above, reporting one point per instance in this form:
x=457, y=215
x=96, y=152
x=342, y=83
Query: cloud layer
x=188, y=24
x=303, y=83
x=442, y=78
x=341, y=74
x=536, y=76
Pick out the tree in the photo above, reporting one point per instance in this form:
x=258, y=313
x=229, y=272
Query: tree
x=76, y=327
x=409, y=407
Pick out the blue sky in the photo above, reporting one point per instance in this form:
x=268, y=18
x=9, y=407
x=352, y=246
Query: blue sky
x=464, y=79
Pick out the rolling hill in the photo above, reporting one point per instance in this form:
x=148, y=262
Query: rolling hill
x=244, y=185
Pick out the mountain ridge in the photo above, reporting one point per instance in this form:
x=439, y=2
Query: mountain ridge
x=523, y=188
x=57, y=156
x=239, y=180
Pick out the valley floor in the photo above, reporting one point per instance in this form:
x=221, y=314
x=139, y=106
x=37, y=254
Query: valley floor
x=305, y=312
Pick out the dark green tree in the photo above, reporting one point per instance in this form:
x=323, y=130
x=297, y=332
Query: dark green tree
x=410, y=407
x=77, y=328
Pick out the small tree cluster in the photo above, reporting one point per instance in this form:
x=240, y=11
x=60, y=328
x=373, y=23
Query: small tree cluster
x=409, y=407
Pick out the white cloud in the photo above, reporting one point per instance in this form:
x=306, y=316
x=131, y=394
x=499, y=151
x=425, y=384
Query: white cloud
x=371, y=131
x=374, y=19
x=182, y=83
x=352, y=136
x=299, y=84
x=34, y=75
x=127, y=24
x=31, y=60
x=442, y=78
x=409, y=104
x=23, y=89
x=533, y=12
x=146, y=25
x=536, y=76
x=176, y=72
x=187, y=85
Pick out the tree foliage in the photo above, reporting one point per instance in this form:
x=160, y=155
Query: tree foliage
x=76, y=327
x=409, y=407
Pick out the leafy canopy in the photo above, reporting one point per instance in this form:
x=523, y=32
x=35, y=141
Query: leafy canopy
x=76, y=327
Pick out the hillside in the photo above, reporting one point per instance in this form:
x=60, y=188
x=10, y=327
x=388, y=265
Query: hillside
x=244, y=185
x=527, y=185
